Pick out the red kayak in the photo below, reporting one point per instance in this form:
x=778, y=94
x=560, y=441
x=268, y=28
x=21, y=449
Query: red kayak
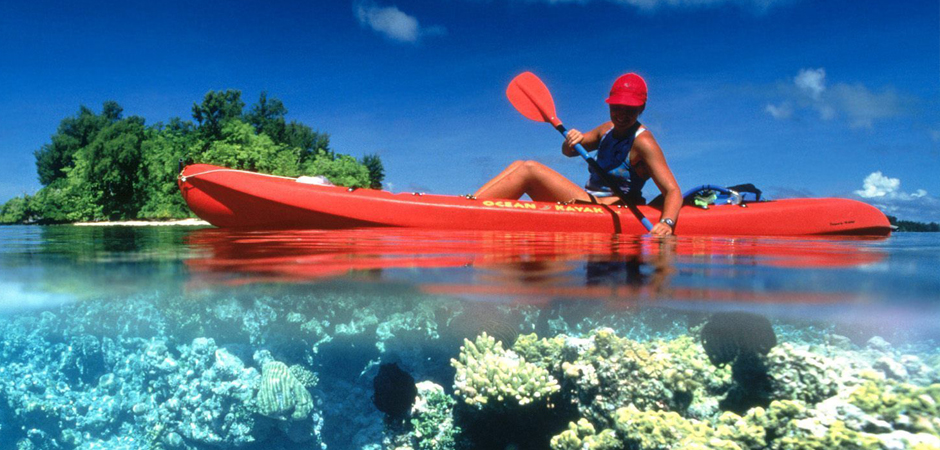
x=231, y=198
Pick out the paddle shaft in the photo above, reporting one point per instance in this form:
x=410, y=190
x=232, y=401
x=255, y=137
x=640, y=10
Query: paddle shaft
x=605, y=177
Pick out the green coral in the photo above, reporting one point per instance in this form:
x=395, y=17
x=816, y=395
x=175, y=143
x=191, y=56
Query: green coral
x=666, y=430
x=432, y=419
x=281, y=395
x=799, y=374
x=604, y=372
x=790, y=425
x=581, y=435
x=549, y=353
x=747, y=433
x=486, y=372
x=905, y=406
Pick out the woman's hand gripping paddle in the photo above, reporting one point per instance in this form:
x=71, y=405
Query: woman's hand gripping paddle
x=532, y=99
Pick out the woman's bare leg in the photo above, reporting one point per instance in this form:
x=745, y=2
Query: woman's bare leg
x=533, y=178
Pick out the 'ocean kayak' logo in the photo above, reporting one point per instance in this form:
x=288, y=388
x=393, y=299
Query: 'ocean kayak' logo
x=526, y=205
x=509, y=204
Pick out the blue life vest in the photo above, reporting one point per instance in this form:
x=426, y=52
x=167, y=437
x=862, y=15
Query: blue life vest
x=613, y=155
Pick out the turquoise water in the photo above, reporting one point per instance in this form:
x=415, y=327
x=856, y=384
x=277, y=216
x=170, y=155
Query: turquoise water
x=199, y=338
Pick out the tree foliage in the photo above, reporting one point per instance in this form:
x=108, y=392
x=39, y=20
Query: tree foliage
x=108, y=167
x=376, y=170
x=216, y=109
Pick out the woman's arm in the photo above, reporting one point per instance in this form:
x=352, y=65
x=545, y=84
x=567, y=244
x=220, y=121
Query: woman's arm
x=653, y=157
x=590, y=140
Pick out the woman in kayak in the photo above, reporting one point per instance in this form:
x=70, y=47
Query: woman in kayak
x=625, y=149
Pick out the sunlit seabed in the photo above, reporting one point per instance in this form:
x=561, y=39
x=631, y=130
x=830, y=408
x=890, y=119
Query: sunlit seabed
x=170, y=338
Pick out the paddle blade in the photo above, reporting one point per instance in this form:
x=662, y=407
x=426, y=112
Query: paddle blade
x=531, y=98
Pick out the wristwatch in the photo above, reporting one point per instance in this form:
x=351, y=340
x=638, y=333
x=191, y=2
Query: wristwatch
x=670, y=222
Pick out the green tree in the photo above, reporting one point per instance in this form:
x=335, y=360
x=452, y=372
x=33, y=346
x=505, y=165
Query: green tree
x=311, y=143
x=67, y=199
x=16, y=210
x=376, y=170
x=161, y=151
x=239, y=147
x=267, y=116
x=342, y=170
x=73, y=133
x=105, y=166
x=112, y=167
x=216, y=109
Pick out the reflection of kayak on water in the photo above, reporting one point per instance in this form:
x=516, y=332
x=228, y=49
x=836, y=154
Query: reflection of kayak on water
x=231, y=198
x=505, y=259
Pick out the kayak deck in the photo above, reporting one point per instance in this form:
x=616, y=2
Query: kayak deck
x=231, y=198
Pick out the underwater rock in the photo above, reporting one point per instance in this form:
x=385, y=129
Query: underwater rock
x=891, y=368
x=394, y=391
x=728, y=334
x=281, y=396
x=879, y=344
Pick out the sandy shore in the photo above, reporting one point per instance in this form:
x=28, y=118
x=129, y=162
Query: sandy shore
x=144, y=223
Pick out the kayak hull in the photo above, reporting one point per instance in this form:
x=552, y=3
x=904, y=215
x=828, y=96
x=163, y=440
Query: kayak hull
x=230, y=198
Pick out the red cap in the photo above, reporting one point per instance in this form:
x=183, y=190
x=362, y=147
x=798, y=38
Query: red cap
x=629, y=90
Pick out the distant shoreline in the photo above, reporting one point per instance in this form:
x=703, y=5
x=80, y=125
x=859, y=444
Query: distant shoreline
x=145, y=223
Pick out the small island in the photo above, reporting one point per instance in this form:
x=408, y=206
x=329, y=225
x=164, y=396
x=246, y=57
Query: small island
x=908, y=225
x=105, y=167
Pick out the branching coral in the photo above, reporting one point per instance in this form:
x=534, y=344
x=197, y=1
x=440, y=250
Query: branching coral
x=486, y=372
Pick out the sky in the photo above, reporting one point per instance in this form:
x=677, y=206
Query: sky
x=802, y=98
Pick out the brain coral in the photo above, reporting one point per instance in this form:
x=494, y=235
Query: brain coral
x=281, y=395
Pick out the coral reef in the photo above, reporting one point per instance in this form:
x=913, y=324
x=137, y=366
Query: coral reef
x=432, y=419
x=602, y=372
x=256, y=370
x=488, y=373
x=281, y=395
x=799, y=374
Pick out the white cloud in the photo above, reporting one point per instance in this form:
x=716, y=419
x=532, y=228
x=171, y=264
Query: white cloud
x=878, y=185
x=783, y=111
x=811, y=81
x=885, y=193
x=860, y=106
x=392, y=22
